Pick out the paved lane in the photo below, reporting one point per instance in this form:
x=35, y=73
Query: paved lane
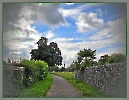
x=62, y=88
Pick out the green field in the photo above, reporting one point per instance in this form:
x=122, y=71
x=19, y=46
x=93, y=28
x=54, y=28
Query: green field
x=39, y=89
x=85, y=89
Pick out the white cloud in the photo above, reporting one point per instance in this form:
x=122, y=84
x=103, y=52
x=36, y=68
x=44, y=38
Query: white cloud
x=76, y=11
x=62, y=40
x=114, y=31
x=99, y=11
x=88, y=21
x=48, y=13
x=18, y=52
x=49, y=35
x=69, y=12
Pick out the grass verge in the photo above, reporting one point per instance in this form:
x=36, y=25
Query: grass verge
x=39, y=89
x=85, y=89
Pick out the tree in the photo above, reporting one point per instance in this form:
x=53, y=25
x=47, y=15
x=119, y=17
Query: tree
x=72, y=67
x=48, y=53
x=103, y=59
x=62, y=69
x=43, y=40
x=53, y=68
x=55, y=54
x=116, y=57
x=85, y=58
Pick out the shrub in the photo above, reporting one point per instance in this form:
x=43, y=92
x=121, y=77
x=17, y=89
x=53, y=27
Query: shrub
x=34, y=71
x=116, y=57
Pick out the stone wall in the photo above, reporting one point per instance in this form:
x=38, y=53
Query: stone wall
x=110, y=78
x=11, y=80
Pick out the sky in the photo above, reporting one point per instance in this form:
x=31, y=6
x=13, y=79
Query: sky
x=73, y=26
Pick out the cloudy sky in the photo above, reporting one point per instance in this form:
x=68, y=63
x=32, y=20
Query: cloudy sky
x=73, y=26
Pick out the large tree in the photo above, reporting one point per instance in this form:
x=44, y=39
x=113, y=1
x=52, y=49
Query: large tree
x=48, y=53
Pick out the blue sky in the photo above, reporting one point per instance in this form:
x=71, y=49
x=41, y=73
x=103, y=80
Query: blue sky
x=98, y=26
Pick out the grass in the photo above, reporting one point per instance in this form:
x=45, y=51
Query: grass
x=39, y=89
x=85, y=89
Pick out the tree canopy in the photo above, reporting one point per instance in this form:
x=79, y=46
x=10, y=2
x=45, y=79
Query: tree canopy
x=85, y=58
x=48, y=53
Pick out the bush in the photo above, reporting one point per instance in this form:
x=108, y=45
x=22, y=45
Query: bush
x=116, y=57
x=34, y=71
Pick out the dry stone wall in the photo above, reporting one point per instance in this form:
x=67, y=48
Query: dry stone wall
x=110, y=78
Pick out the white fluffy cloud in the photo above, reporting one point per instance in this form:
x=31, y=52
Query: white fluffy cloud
x=114, y=32
x=49, y=35
x=70, y=12
x=88, y=21
x=76, y=11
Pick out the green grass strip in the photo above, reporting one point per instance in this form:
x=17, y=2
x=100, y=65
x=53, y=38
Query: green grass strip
x=39, y=89
x=85, y=89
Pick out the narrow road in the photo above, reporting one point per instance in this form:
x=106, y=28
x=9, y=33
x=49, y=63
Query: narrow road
x=62, y=88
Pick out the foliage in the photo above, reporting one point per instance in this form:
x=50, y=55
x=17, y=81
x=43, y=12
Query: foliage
x=53, y=68
x=34, y=71
x=62, y=69
x=103, y=59
x=48, y=53
x=72, y=67
x=85, y=58
x=39, y=89
x=116, y=57
x=85, y=89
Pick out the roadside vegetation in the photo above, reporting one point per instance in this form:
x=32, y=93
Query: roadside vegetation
x=39, y=89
